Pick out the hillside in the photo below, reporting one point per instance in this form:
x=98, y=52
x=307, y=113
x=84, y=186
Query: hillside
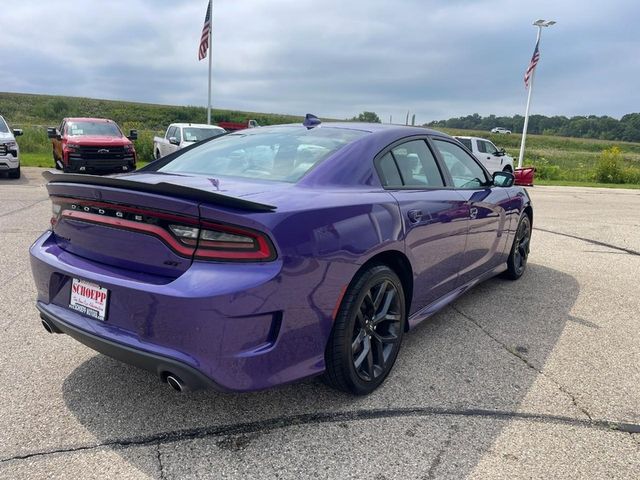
x=34, y=113
x=560, y=159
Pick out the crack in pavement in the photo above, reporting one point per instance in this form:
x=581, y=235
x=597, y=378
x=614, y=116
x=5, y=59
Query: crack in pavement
x=24, y=208
x=265, y=426
x=524, y=360
x=160, y=465
x=590, y=240
x=435, y=463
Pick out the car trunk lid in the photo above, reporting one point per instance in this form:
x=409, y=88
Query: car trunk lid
x=132, y=221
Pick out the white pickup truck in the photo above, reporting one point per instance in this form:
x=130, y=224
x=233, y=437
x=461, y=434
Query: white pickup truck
x=180, y=135
x=494, y=159
x=9, y=150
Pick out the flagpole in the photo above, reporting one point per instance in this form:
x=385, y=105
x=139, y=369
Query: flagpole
x=526, y=113
x=210, y=37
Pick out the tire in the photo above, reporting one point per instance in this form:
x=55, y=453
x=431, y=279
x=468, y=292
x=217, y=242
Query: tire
x=157, y=154
x=517, y=261
x=507, y=168
x=14, y=173
x=367, y=332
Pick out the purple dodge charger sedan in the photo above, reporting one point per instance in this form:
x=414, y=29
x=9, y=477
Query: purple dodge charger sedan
x=274, y=254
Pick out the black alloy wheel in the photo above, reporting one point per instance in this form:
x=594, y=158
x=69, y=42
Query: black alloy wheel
x=367, y=333
x=517, y=262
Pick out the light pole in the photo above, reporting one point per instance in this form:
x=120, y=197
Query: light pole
x=539, y=24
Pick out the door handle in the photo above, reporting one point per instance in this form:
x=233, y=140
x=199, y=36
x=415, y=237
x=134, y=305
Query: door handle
x=414, y=215
x=473, y=212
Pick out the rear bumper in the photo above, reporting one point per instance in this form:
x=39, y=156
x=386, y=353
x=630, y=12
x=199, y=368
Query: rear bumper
x=158, y=364
x=224, y=326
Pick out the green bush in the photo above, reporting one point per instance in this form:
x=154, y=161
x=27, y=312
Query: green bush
x=608, y=169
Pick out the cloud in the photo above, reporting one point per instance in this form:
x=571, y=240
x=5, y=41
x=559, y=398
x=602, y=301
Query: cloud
x=332, y=58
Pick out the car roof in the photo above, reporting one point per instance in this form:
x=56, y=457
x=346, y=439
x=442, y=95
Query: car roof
x=88, y=119
x=371, y=128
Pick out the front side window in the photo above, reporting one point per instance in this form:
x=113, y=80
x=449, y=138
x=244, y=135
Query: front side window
x=276, y=153
x=489, y=147
x=464, y=169
x=196, y=134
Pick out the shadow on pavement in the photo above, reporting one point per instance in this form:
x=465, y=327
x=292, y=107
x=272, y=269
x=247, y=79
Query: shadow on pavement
x=471, y=356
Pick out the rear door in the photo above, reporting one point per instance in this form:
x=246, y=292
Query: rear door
x=434, y=217
x=487, y=210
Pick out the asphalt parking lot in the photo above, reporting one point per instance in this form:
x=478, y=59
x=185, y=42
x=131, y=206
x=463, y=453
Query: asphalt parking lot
x=530, y=379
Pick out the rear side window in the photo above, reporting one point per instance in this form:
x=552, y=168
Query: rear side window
x=389, y=174
x=410, y=164
x=466, y=142
x=464, y=169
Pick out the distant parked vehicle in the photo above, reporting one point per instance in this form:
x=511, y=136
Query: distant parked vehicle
x=180, y=135
x=9, y=150
x=494, y=159
x=92, y=145
x=501, y=130
x=232, y=126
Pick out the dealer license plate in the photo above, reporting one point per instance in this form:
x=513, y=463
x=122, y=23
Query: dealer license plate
x=89, y=299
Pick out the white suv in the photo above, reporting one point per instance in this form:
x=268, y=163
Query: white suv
x=9, y=150
x=500, y=130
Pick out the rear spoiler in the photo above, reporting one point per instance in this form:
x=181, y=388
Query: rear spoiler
x=162, y=188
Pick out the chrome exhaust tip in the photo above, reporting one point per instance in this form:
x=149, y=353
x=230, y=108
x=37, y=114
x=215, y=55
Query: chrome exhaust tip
x=47, y=326
x=175, y=383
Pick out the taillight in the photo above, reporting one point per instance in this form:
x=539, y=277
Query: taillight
x=184, y=235
x=224, y=242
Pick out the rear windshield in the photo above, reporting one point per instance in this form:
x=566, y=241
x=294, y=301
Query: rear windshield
x=466, y=142
x=101, y=129
x=279, y=154
x=195, y=134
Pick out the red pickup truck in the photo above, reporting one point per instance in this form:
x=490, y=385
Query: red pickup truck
x=92, y=145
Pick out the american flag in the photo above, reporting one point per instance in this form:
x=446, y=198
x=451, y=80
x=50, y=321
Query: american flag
x=206, y=30
x=532, y=66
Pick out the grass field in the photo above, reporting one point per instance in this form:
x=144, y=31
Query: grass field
x=563, y=160
x=559, y=160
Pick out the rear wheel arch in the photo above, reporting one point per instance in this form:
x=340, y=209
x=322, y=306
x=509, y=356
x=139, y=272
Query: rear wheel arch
x=529, y=212
x=399, y=263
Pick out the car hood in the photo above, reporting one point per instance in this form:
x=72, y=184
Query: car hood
x=89, y=140
x=6, y=136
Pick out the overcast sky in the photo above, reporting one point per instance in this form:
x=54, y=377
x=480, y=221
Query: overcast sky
x=334, y=58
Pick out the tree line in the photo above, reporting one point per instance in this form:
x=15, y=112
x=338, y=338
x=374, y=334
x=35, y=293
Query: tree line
x=626, y=129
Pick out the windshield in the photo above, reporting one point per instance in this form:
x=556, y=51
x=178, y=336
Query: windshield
x=3, y=126
x=194, y=134
x=279, y=154
x=101, y=129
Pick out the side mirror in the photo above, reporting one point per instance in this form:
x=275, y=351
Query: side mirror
x=17, y=132
x=503, y=179
x=53, y=133
x=174, y=141
x=133, y=135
